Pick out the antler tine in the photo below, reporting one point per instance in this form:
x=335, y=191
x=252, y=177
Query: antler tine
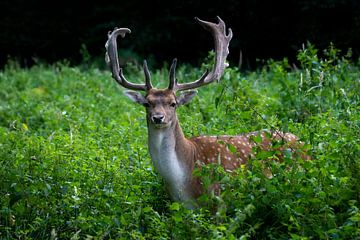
x=173, y=81
x=147, y=76
x=221, y=41
x=111, y=58
x=173, y=85
x=192, y=85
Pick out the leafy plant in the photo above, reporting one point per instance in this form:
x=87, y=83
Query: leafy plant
x=74, y=161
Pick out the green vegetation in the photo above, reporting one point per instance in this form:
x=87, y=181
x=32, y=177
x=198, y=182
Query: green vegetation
x=74, y=161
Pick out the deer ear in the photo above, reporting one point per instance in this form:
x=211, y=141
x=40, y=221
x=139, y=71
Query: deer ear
x=186, y=97
x=136, y=97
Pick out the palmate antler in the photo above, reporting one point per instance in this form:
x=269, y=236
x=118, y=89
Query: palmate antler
x=221, y=40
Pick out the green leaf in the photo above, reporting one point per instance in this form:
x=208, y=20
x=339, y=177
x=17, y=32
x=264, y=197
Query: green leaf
x=232, y=148
x=175, y=206
x=147, y=209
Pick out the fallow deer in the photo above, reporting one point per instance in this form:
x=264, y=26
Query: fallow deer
x=173, y=155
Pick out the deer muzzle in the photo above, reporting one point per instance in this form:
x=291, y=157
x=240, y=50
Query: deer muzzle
x=158, y=118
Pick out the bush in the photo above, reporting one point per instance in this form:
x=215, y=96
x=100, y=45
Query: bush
x=74, y=160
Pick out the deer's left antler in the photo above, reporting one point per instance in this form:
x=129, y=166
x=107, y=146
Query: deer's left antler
x=221, y=40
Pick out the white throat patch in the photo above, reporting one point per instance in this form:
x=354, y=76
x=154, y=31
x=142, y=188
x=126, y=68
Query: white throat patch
x=166, y=162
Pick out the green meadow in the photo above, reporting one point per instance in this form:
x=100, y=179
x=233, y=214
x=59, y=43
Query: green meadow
x=74, y=162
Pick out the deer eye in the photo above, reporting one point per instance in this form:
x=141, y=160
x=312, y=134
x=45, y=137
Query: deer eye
x=173, y=104
x=146, y=104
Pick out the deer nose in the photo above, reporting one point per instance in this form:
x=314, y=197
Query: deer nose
x=158, y=118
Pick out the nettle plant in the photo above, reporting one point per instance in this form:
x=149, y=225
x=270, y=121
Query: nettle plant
x=176, y=157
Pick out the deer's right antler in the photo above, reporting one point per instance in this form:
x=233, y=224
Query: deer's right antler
x=222, y=41
x=111, y=58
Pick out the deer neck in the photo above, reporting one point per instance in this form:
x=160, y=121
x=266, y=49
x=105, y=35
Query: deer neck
x=167, y=147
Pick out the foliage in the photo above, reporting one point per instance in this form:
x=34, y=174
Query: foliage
x=74, y=161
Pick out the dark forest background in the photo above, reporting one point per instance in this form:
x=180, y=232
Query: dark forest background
x=161, y=30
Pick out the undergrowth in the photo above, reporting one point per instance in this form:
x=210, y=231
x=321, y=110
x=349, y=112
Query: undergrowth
x=74, y=160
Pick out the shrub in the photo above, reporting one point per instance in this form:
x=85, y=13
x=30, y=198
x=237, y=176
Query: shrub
x=74, y=160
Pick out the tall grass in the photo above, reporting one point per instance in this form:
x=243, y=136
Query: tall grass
x=74, y=161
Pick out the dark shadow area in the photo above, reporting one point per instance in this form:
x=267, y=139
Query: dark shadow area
x=51, y=31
